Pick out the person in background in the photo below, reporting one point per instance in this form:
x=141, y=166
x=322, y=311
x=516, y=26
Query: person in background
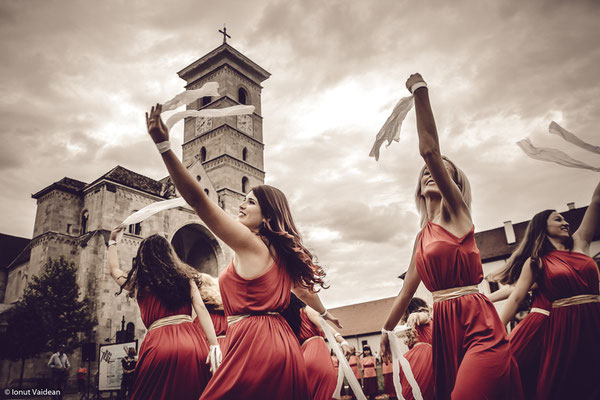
x=81, y=375
x=128, y=363
x=369, y=367
x=59, y=365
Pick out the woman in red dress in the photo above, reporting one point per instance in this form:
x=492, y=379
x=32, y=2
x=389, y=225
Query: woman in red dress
x=263, y=359
x=354, y=363
x=173, y=355
x=471, y=353
x=527, y=337
x=558, y=262
x=369, y=367
x=321, y=373
x=209, y=290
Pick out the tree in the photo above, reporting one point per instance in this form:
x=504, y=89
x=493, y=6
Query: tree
x=49, y=314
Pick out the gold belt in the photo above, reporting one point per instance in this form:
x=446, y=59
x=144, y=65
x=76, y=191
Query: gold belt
x=232, y=319
x=171, y=320
x=540, y=310
x=311, y=338
x=453, y=293
x=574, y=300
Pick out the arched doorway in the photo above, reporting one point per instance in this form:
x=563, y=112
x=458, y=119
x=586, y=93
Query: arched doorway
x=197, y=247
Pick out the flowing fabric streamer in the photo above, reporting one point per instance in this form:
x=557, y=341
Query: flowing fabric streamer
x=209, y=113
x=184, y=98
x=343, y=365
x=552, y=155
x=556, y=129
x=391, y=128
x=398, y=361
x=150, y=210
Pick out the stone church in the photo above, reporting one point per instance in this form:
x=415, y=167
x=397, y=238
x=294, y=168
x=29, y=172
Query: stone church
x=74, y=218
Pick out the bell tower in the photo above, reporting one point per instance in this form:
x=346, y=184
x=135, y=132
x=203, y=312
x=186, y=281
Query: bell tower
x=230, y=149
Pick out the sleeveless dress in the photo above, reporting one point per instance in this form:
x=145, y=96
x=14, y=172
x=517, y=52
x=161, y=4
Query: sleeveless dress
x=321, y=374
x=570, y=366
x=172, y=358
x=262, y=358
x=526, y=343
x=369, y=366
x=353, y=362
x=419, y=356
x=471, y=353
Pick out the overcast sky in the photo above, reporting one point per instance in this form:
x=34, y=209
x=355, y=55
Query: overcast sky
x=77, y=76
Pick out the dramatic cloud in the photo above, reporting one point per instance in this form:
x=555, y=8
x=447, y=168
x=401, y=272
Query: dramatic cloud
x=76, y=78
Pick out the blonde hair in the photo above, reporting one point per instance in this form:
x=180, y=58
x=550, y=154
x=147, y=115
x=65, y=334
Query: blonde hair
x=209, y=291
x=458, y=177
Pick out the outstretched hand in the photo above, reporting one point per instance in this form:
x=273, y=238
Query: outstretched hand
x=414, y=78
x=333, y=319
x=384, y=348
x=156, y=127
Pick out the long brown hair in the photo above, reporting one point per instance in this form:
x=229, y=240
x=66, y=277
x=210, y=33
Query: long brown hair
x=209, y=291
x=535, y=244
x=157, y=268
x=280, y=233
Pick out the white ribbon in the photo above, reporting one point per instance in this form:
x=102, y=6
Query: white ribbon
x=150, y=210
x=343, y=365
x=398, y=360
x=556, y=129
x=184, y=98
x=209, y=113
x=391, y=128
x=552, y=155
x=215, y=357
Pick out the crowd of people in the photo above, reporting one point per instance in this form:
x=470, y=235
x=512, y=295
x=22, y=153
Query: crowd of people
x=258, y=333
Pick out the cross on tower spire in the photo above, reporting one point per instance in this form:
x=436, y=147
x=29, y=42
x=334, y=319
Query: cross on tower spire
x=225, y=35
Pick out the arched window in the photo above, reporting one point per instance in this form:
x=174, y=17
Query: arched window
x=206, y=100
x=203, y=154
x=245, y=154
x=245, y=184
x=206, y=191
x=85, y=216
x=242, y=96
x=135, y=229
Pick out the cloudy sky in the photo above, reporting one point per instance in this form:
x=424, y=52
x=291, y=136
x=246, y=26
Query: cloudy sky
x=77, y=76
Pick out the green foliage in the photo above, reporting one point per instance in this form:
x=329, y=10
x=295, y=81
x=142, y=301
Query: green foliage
x=49, y=314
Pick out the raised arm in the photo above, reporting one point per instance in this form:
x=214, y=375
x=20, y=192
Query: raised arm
x=411, y=283
x=118, y=275
x=429, y=147
x=585, y=234
x=234, y=234
x=518, y=294
x=501, y=294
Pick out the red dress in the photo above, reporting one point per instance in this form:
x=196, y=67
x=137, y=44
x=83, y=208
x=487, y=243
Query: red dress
x=526, y=343
x=471, y=353
x=321, y=374
x=172, y=358
x=353, y=362
x=262, y=358
x=420, y=359
x=570, y=366
x=369, y=367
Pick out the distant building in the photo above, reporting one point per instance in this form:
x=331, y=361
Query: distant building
x=74, y=218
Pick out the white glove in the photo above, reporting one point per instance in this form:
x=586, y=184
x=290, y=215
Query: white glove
x=215, y=357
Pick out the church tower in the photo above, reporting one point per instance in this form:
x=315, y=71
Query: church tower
x=230, y=149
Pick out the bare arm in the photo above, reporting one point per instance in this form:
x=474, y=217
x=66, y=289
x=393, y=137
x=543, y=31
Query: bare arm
x=518, y=294
x=118, y=275
x=429, y=148
x=203, y=315
x=585, y=234
x=314, y=301
x=501, y=294
x=234, y=234
x=411, y=283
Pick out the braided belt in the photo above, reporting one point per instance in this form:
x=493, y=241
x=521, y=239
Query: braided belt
x=171, y=320
x=453, y=293
x=574, y=300
x=232, y=319
x=540, y=311
x=311, y=338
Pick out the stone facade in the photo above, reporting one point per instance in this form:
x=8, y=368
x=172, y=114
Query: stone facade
x=74, y=218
